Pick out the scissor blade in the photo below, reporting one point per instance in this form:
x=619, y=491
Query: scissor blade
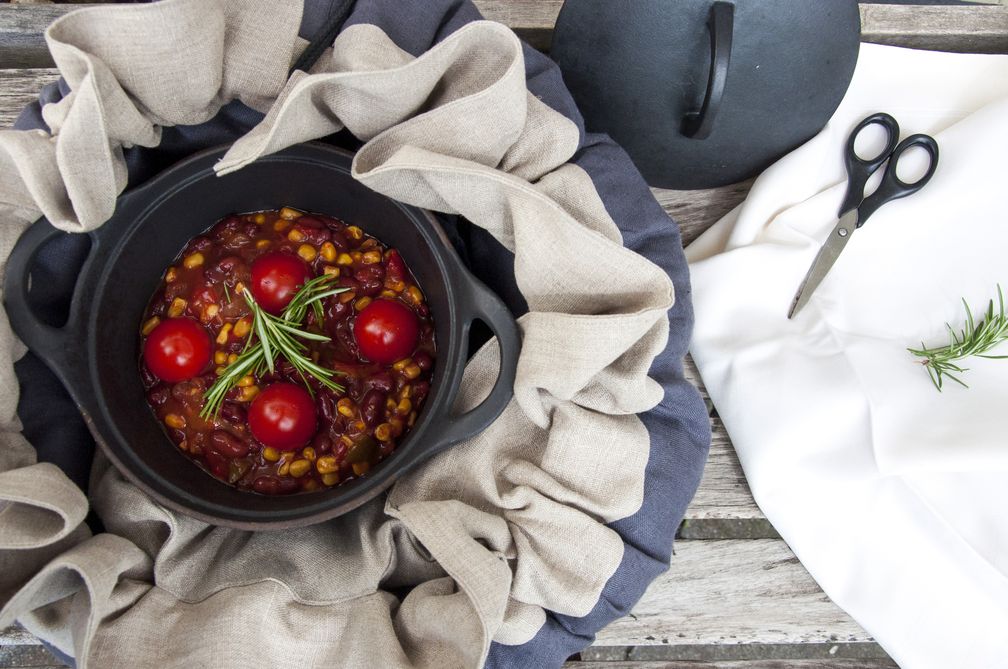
x=824, y=260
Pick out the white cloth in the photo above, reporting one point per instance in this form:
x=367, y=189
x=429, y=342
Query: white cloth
x=893, y=495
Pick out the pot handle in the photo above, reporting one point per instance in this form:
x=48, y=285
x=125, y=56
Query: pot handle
x=56, y=346
x=698, y=125
x=483, y=304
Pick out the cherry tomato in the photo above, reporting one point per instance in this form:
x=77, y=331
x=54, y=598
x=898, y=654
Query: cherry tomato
x=283, y=416
x=177, y=349
x=386, y=331
x=276, y=278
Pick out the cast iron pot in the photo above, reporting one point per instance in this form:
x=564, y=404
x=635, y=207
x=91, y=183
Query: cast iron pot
x=96, y=353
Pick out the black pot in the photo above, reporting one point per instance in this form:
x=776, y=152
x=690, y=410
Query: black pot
x=95, y=354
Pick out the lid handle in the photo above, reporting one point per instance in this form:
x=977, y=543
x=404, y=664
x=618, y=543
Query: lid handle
x=720, y=23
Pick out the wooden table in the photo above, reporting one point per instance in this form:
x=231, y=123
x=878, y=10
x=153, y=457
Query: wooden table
x=735, y=596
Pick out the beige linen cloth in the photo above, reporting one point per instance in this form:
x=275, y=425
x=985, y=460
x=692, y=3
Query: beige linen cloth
x=490, y=533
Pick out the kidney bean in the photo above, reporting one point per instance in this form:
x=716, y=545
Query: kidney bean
x=237, y=241
x=322, y=443
x=381, y=381
x=228, y=445
x=371, y=287
x=201, y=243
x=420, y=390
x=326, y=403
x=373, y=407
x=216, y=463
x=396, y=266
x=226, y=268
x=423, y=361
x=369, y=273
x=287, y=485
x=234, y=413
x=158, y=395
x=266, y=485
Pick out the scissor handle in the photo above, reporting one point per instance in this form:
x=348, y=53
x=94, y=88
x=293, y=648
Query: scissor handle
x=892, y=187
x=859, y=169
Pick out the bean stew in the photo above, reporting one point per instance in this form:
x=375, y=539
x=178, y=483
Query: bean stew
x=338, y=316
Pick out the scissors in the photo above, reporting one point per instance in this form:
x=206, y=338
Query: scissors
x=856, y=208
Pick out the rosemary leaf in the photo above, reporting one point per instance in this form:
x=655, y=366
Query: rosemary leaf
x=975, y=339
x=278, y=336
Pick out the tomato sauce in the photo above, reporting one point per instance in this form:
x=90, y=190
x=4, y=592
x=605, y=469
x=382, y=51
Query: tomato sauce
x=355, y=428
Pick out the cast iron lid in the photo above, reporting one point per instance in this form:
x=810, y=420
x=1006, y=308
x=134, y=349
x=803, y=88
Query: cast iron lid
x=642, y=72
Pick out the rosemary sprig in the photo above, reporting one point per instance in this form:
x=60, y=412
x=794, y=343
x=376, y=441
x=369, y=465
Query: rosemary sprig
x=277, y=336
x=976, y=339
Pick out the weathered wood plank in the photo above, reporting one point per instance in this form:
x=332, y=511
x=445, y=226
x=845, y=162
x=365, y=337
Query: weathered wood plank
x=18, y=87
x=723, y=493
x=763, y=596
x=737, y=664
x=974, y=29
x=697, y=210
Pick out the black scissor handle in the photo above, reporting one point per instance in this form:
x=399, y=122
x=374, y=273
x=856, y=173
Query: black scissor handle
x=892, y=187
x=859, y=169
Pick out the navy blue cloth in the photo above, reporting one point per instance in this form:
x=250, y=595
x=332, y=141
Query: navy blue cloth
x=679, y=427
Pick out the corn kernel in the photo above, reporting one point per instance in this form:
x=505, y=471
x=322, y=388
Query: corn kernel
x=346, y=297
x=290, y=214
x=283, y=468
x=149, y=326
x=242, y=327
x=309, y=453
x=359, y=426
x=184, y=445
x=412, y=418
x=171, y=275
x=405, y=406
x=232, y=358
x=344, y=259
x=357, y=256
x=245, y=381
x=395, y=284
x=329, y=270
x=270, y=454
x=211, y=311
x=330, y=479
x=194, y=260
x=397, y=425
x=414, y=295
x=309, y=485
x=174, y=420
x=248, y=393
x=387, y=294
x=239, y=288
x=383, y=432
x=328, y=251
x=307, y=251
x=400, y=365
x=263, y=244
x=280, y=225
x=327, y=464
x=295, y=235
x=259, y=218
x=390, y=404
x=354, y=232
x=220, y=358
x=371, y=257
x=361, y=468
x=222, y=336
x=176, y=308
x=346, y=407
x=220, y=371
x=412, y=371
x=299, y=468
x=406, y=392
x=362, y=303
x=346, y=440
x=369, y=243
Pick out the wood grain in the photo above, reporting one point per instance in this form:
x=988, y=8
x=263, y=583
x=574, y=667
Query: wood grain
x=18, y=87
x=733, y=592
x=739, y=664
x=974, y=29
